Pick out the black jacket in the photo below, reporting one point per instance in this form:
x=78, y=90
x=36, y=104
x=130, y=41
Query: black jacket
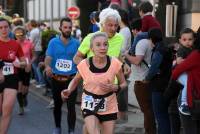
x=160, y=71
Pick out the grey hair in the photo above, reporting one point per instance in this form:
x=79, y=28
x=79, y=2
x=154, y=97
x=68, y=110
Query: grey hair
x=20, y=28
x=97, y=34
x=109, y=12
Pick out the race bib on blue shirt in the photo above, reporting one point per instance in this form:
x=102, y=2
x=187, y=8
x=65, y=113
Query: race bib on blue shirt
x=63, y=65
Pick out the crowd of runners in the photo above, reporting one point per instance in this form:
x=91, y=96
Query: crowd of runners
x=108, y=62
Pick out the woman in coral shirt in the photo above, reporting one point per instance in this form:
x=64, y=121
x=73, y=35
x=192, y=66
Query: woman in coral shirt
x=24, y=73
x=99, y=103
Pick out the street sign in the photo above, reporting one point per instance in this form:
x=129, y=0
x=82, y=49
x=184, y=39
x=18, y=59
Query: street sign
x=73, y=12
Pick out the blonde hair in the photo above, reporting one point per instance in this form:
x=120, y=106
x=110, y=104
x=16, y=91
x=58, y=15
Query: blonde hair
x=97, y=34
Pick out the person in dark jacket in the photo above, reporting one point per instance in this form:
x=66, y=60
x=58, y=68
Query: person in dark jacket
x=158, y=77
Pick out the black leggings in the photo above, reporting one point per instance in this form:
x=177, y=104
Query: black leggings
x=71, y=116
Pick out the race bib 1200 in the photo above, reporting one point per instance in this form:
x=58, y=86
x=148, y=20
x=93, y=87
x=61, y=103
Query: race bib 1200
x=8, y=68
x=63, y=65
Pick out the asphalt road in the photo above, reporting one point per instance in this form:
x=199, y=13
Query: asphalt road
x=37, y=119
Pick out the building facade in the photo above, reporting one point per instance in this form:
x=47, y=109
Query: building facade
x=190, y=14
x=48, y=10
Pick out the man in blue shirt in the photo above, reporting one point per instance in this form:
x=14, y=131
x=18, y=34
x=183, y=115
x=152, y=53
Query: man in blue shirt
x=60, y=67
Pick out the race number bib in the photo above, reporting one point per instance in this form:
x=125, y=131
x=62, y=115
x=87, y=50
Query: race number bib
x=90, y=103
x=63, y=65
x=8, y=68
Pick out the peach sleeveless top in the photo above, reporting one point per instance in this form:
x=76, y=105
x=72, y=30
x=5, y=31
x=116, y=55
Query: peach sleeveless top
x=92, y=80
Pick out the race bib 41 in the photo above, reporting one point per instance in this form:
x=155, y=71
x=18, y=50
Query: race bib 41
x=8, y=69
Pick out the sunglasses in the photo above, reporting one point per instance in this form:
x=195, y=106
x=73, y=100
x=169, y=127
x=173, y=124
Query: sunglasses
x=19, y=34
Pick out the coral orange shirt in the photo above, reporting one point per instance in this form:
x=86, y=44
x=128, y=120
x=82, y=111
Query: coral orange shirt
x=27, y=47
x=92, y=80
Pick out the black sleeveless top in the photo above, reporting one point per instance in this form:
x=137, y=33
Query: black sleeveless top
x=97, y=70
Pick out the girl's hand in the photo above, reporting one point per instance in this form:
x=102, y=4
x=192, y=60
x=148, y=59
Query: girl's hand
x=65, y=94
x=107, y=87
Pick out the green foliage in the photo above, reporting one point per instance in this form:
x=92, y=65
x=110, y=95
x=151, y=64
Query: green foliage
x=7, y=18
x=47, y=36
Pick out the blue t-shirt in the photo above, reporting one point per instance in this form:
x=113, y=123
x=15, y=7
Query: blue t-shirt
x=62, y=55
